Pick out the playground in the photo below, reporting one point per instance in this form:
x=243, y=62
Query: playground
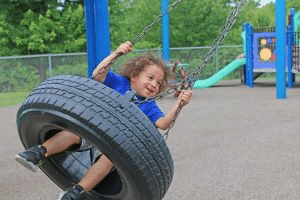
x=233, y=141
x=230, y=142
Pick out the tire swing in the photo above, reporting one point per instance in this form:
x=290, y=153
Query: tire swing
x=111, y=122
x=143, y=166
x=143, y=163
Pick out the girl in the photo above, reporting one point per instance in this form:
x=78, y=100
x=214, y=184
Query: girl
x=145, y=74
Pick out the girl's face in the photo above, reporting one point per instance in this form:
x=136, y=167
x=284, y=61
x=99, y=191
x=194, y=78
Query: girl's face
x=148, y=82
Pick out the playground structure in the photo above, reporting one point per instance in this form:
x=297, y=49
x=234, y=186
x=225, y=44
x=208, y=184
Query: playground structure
x=259, y=46
x=98, y=42
x=38, y=138
x=218, y=76
x=261, y=54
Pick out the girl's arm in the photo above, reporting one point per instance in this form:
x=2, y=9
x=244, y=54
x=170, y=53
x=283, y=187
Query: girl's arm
x=101, y=70
x=183, y=99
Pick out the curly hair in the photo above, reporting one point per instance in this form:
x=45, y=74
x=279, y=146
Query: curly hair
x=134, y=66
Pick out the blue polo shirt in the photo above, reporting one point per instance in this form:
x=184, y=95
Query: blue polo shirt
x=122, y=85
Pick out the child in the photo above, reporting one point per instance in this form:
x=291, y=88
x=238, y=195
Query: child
x=146, y=75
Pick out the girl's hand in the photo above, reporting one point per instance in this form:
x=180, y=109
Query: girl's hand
x=124, y=48
x=184, y=97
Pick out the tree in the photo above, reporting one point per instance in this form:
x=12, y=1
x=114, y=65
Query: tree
x=292, y=4
x=197, y=23
x=52, y=26
x=15, y=9
x=73, y=23
x=54, y=32
x=193, y=22
x=251, y=13
x=129, y=18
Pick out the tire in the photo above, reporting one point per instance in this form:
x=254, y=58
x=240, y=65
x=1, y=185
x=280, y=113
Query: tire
x=108, y=120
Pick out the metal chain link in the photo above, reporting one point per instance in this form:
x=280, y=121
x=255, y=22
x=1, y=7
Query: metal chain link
x=190, y=80
x=155, y=21
x=140, y=35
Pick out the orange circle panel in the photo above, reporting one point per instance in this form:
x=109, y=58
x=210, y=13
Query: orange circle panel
x=265, y=54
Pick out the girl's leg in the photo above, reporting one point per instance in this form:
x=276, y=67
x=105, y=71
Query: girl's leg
x=60, y=142
x=98, y=171
x=36, y=155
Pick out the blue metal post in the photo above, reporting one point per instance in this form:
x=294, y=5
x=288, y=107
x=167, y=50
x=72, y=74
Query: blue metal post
x=90, y=35
x=290, y=35
x=97, y=31
x=280, y=49
x=165, y=31
x=249, y=49
x=293, y=75
x=102, y=30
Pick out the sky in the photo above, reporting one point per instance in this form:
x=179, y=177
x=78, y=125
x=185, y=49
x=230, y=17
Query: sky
x=264, y=2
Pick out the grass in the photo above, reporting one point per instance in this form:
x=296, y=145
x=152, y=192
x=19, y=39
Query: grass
x=14, y=98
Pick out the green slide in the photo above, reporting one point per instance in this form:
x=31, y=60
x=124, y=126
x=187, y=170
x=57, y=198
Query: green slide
x=220, y=74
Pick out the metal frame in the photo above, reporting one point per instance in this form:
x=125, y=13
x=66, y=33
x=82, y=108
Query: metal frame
x=284, y=56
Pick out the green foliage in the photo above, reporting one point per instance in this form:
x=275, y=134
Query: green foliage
x=72, y=24
x=53, y=32
x=15, y=9
x=262, y=17
x=120, y=30
x=129, y=18
x=197, y=23
x=7, y=41
x=293, y=4
x=4, y=35
x=42, y=31
x=51, y=26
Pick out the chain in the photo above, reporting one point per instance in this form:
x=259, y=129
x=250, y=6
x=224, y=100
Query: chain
x=190, y=80
x=140, y=35
x=228, y=25
x=155, y=21
x=166, y=134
